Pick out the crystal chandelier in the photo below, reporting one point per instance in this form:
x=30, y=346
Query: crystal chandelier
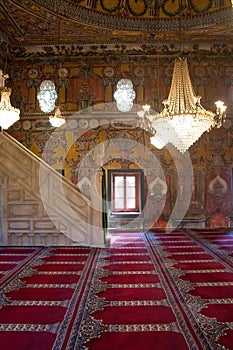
x=8, y=114
x=57, y=119
x=124, y=95
x=47, y=96
x=183, y=119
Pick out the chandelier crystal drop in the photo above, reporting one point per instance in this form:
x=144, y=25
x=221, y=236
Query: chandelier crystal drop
x=124, y=95
x=57, y=119
x=183, y=119
x=8, y=114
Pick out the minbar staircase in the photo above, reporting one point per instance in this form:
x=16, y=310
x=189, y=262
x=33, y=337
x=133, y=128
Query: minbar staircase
x=38, y=206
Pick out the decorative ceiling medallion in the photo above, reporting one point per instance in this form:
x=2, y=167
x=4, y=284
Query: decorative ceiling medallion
x=62, y=72
x=175, y=7
x=83, y=124
x=32, y=73
x=128, y=14
x=172, y=8
x=26, y=125
x=72, y=123
x=201, y=6
x=109, y=72
x=142, y=7
x=137, y=8
x=93, y=123
x=132, y=7
x=139, y=72
x=110, y=6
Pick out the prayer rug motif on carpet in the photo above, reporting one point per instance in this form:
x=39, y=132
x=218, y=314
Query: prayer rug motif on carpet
x=131, y=260
x=202, y=276
x=40, y=301
x=158, y=290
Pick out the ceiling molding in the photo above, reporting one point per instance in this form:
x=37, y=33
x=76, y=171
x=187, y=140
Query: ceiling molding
x=39, y=29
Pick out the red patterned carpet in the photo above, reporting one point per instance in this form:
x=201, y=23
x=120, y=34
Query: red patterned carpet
x=159, y=290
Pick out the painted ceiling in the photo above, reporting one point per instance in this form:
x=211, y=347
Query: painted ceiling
x=38, y=27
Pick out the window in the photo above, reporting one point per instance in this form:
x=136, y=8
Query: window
x=125, y=192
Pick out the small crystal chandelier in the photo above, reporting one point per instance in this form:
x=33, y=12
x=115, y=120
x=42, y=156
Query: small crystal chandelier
x=183, y=119
x=47, y=96
x=57, y=119
x=124, y=95
x=8, y=114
